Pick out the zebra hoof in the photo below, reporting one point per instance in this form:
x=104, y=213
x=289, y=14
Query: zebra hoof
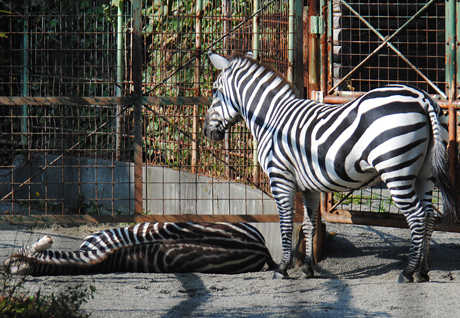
x=278, y=275
x=405, y=279
x=46, y=242
x=421, y=278
x=307, y=272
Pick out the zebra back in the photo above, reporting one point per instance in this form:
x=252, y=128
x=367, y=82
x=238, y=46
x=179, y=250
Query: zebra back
x=154, y=247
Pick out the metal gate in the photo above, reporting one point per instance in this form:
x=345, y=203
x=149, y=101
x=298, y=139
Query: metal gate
x=363, y=45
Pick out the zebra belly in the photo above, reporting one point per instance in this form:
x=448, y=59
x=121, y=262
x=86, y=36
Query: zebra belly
x=367, y=179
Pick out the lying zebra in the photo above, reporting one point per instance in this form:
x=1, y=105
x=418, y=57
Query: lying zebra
x=152, y=248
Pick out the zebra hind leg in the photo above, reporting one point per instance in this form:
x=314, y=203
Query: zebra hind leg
x=414, y=212
x=310, y=202
x=422, y=275
x=424, y=188
x=405, y=196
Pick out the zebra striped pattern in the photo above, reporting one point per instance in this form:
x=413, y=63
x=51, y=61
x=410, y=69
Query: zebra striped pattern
x=396, y=134
x=152, y=248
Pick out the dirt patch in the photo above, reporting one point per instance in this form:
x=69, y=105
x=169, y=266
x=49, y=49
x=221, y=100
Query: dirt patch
x=357, y=278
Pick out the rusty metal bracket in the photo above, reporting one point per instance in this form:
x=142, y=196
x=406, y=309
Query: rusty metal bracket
x=316, y=25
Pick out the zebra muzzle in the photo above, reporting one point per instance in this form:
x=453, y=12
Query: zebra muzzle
x=217, y=135
x=211, y=132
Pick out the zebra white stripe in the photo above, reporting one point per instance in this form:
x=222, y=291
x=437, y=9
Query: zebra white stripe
x=396, y=134
x=151, y=247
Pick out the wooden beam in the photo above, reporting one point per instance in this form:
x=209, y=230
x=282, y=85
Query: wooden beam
x=85, y=219
x=103, y=101
x=380, y=219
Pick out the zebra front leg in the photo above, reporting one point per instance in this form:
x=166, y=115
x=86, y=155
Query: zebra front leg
x=310, y=202
x=284, y=193
x=286, y=245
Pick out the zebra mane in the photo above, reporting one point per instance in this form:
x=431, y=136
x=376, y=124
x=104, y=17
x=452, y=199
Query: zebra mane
x=266, y=69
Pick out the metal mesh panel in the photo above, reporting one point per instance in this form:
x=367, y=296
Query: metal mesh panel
x=173, y=133
x=421, y=42
x=84, y=150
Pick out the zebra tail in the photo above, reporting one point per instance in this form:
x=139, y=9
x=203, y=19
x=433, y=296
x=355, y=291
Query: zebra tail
x=440, y=166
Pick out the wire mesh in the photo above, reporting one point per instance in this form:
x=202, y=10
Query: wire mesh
x=421, y=42
x=55, y=48
x=173, y=40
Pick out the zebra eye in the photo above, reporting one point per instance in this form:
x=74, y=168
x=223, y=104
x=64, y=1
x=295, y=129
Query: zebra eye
x=214, y=90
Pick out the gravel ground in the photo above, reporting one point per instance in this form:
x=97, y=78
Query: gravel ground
x=357, y=278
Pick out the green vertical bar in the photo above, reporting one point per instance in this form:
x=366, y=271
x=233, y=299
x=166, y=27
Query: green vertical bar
x=255, y=30
x=323, y=33
x=120, y=20
x=295, y=45
x=450, y=81
x=120, y=80
x=450, y=47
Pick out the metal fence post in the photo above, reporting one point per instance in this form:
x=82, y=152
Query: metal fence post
x=137, y=82
x=120, y=79
x=199, y=13
x=451, y=82
x=255, y=51
x=295, y=45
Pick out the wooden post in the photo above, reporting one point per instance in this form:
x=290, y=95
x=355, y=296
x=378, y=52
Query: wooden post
x=199, y=13
x=137, y=82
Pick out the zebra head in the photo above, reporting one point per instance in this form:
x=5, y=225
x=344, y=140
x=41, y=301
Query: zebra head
x=20, y=264
x=223, y=113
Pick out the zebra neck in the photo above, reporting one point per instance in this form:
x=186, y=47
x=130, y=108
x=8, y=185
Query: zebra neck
x=263, y=115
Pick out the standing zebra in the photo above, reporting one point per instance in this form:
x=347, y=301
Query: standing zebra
x=153, y=248
x=396, y=134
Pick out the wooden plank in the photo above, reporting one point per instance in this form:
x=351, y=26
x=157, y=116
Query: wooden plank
x=85, y=219
x=144, y=100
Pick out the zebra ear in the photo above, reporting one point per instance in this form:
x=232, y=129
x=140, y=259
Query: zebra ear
x=219, y=62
